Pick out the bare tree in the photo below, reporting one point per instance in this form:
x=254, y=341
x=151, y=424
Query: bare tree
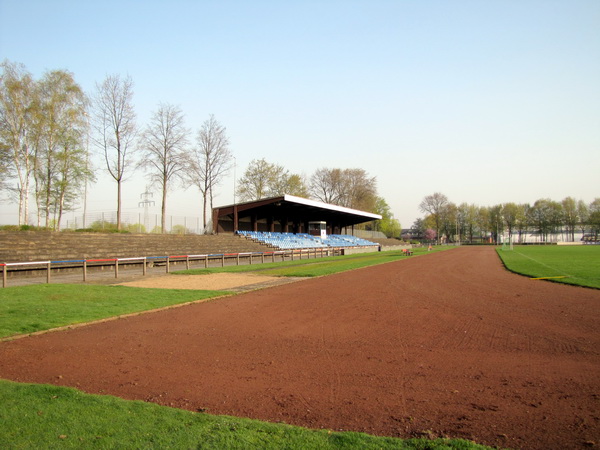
x=352, y=188
x=359, y=191
x=163, y=145
x=326, y=185
x=434, y=205
x=114, y=122
x=209, y=161
x=16, y=107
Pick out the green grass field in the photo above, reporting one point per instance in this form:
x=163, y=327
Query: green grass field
x=316, y=266
x=576, y=264
x=42, y=416
x=26, y=309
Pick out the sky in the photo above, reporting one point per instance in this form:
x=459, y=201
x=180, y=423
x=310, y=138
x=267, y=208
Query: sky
x=486, y=101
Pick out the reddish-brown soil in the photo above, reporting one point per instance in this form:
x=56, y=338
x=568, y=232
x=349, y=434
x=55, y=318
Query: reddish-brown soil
x=448, y=344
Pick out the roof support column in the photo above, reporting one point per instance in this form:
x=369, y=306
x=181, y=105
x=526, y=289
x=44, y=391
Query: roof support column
x=215, y=217
x=236, y=219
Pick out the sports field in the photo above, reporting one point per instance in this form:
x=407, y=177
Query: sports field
x=447, y=344
x=577, y=264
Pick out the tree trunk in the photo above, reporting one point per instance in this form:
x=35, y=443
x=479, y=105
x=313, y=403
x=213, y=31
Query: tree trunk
x=61, y=202
x=204, y=202
x=163, y=208
x=119, y=205
x=48, y=196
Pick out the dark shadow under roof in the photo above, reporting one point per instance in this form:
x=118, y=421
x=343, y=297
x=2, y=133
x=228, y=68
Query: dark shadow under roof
x=292, y=209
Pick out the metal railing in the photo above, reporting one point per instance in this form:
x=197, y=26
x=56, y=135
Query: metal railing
x=214, y=259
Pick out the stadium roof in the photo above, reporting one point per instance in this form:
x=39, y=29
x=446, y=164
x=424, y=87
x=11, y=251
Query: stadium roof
x=292, y=209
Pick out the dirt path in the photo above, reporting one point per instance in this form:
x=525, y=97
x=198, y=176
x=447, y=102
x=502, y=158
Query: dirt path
x=445, y=344
x=215, y=281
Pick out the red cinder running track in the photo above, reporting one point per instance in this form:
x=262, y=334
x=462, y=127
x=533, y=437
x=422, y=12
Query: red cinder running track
x=447, y=344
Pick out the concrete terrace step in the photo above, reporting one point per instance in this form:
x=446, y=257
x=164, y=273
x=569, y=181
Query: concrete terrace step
x=39, y=246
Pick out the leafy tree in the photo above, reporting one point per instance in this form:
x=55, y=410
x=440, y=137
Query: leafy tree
x=545, y=217
x=115, y=124
x=434, y=204
x=416, y=231
x=387, y=225
x=292, y=184
x=258, y=179
x=209, y=161
x=496, y=222
x=429, y=221
x=61, y=157
x=521, y=223
x=449, y=221
x=263, y=179
x=483, y=221
x=583, y=215
x=467, y=215
x=163, y=145
x=17, y=106
x=569, y=210
x=556, y=217
x=509, y=214
x=594, y=217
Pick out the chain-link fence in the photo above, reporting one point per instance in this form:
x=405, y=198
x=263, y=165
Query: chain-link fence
x=136, y=223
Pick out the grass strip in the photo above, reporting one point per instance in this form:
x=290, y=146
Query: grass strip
x=316, y=266
x=44, y=416
x=573, y=264
x=27, y=309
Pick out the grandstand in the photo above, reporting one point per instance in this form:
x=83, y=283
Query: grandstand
x=287, y=241
x=288, y=214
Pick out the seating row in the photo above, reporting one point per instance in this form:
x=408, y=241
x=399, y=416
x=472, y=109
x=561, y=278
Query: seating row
x=303, y=240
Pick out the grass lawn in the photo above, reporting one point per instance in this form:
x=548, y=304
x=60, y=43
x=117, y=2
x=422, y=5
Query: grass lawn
x=570, y=264
x=43, y=416
x=26, y=309
x=317, y=266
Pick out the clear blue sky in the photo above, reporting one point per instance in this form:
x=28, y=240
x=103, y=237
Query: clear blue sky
x=485, y=101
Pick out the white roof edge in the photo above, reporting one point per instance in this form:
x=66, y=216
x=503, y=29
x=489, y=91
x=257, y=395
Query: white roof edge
x=307, y=202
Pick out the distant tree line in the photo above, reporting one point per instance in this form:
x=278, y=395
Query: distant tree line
x=470, y=223
x=49, y=127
